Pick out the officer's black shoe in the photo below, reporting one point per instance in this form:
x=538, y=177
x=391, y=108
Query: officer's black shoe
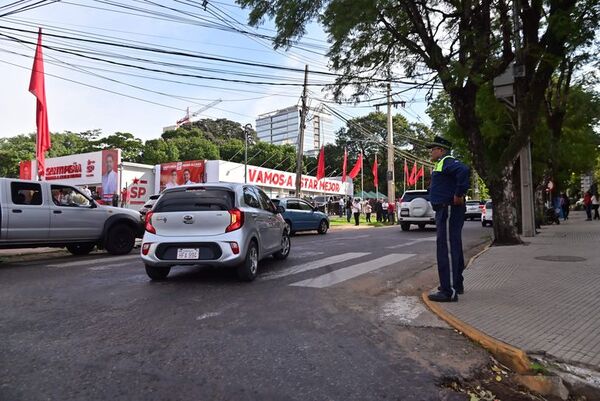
x=442, y=297
x=459, y=292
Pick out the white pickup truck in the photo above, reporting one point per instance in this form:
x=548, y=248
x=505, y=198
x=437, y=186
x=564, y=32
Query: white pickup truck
x=48, y=214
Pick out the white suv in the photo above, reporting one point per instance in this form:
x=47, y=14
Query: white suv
x=487, y=213
x=415, y=208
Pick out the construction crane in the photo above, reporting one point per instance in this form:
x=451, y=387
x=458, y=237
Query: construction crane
x=188, y=117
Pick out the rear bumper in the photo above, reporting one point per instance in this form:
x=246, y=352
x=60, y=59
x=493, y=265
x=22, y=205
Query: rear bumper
x=213, y=251
x=416, y=220
x=473, y=214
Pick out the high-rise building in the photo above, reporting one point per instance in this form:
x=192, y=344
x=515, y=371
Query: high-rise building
x=282, y=127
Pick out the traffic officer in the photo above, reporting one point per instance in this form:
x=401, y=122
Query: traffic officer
x=449, y=184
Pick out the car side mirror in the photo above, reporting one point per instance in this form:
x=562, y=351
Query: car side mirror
x=280, y=209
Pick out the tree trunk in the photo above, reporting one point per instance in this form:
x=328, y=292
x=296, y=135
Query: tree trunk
x=504, y=214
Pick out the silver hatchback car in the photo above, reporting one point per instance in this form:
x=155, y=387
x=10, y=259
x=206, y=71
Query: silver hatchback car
x=213, y=224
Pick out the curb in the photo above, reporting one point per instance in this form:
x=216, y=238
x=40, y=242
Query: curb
x=513, y=357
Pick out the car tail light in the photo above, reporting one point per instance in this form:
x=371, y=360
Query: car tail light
x=149, y=227
x=235, y=248
x=237, y=220
x=146, y=248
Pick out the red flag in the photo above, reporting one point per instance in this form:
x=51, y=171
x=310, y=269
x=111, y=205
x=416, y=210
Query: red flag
x=37, y=88
x=412, y=180
x=406, y=177
x=345, y=164
x=356, y=169
x=321, y=164
x=375, y=177
x=420, y=174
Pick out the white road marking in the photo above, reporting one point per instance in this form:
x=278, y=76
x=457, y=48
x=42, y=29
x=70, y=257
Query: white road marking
x=347, y=273
x=415, y=241
x=208, y=315
x=104, y=260
x=315, y=264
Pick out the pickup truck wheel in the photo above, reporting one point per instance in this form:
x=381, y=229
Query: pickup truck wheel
x=405, y=226
x=249, y=268
x=120, y=239
x=157, y=273
x=82, y=248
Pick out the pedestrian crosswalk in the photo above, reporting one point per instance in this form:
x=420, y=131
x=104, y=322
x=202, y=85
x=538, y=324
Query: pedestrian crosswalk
x=338, y=268
x=350, y=272
x=315, y=264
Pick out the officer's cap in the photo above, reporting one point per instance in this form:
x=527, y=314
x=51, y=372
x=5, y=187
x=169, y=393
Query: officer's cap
x=439, y=142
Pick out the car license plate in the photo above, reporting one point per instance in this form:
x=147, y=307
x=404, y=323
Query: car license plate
x=188, y=253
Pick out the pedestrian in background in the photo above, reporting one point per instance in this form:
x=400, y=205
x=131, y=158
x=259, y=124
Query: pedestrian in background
x=368, y=211
x=349, y=209
x=391, y=212
x=356, y=209
x=595, y=205
x=384, y=211
x=565, y=203
x=449, y=184
x=341, y=206
x=587, y=204
x=378, y=210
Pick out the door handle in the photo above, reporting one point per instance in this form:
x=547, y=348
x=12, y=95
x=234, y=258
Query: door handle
x=57, y=211
x=17, y=211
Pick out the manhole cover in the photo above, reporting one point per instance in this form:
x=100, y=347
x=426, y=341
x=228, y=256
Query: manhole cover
x=561, y=258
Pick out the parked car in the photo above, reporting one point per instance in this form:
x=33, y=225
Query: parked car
x=213, y=224
x=148, y=206
x=474, y=209
x=50, y=214
x=301, y=216
x=415, y=208
x=487, y=213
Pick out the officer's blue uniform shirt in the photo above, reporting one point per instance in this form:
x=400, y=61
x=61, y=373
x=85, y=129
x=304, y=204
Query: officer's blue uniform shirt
x=450, y=177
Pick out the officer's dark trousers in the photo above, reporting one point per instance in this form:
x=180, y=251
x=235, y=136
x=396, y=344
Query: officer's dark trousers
x=449, y=222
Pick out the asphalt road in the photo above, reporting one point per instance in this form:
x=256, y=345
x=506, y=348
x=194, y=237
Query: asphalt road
x=338, y=320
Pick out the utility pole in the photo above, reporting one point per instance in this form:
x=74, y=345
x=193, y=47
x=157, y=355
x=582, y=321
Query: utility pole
x=527, y=208
x=301, y=134
x=247, y=129
x=390, y=148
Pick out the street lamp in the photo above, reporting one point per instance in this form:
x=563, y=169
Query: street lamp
x=247, y=129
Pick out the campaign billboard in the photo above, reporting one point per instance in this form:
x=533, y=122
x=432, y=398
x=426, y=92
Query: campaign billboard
x=25, y=170
x=223, y=171
x=181, y=173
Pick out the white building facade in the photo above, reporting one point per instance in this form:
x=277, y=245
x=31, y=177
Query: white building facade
x=282, y=127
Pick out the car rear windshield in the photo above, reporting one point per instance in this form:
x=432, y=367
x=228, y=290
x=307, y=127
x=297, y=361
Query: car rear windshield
x=196, y=200
x=409, y=196
x=488, y=205
x=473, y=202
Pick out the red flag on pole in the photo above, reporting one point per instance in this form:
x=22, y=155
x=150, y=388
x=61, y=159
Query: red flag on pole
x=321, y=164
x=406, y=176
x=37, y=88
x=357, y=167
x=412, y=180
x=375, y=177
x=345, y=165
x=420, y=174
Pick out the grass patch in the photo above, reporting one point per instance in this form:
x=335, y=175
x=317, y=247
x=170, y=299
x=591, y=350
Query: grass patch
x=336, y=221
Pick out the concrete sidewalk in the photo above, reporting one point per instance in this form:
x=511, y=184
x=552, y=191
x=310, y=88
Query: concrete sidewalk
x=542, y=297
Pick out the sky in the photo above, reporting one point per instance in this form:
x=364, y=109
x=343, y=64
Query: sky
x=85, y=93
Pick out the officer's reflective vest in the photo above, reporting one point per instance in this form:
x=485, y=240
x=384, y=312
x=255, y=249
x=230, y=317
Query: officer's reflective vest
x=440, y=164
